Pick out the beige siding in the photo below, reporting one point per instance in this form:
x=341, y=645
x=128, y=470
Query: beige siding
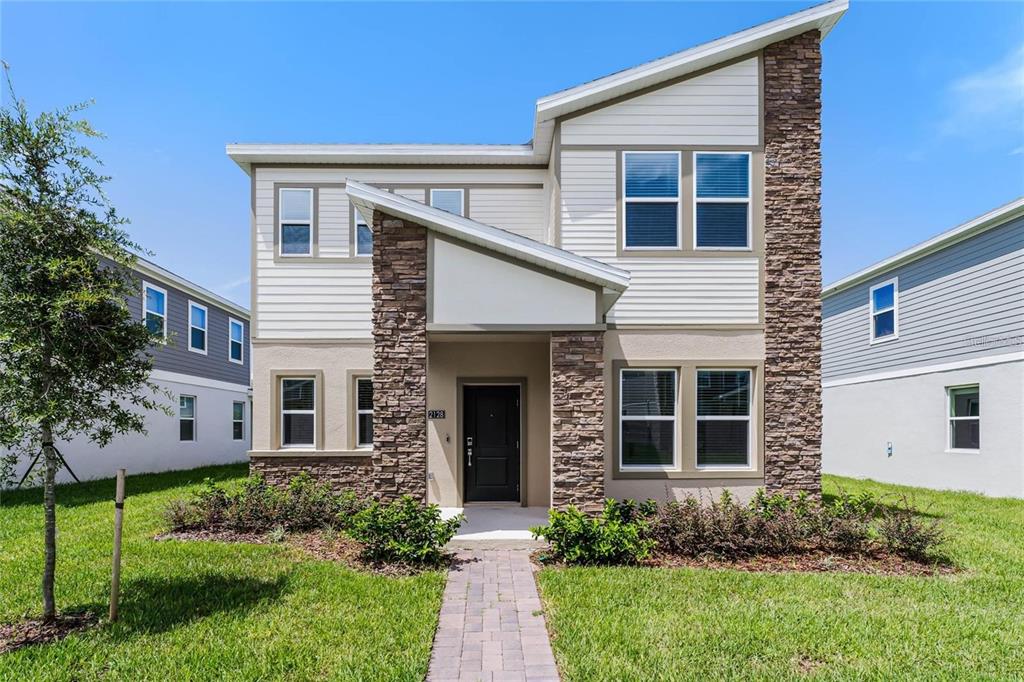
x=663, y=290
x=517, y=210
x=719, y=107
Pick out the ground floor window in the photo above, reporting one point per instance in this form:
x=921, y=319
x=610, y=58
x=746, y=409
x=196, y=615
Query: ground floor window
x=186, y=418
x=298, y=412
x=964, y=417
x=647, y=418
x=238, y=420
x=723, y=417
x=364, y=412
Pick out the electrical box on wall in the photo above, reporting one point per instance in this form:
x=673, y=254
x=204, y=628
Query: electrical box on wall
x=888, y=449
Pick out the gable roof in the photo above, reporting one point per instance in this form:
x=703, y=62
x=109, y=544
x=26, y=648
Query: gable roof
x=537, y=152
x=368, y=199
x=983, y=223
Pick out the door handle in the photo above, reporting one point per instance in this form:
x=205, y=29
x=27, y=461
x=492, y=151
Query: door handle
x=469, y=457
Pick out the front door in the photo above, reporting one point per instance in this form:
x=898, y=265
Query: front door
x=490, y=443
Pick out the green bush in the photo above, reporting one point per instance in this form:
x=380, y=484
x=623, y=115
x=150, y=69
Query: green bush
x=404, y=531
x=902, y=531
x=617, y=536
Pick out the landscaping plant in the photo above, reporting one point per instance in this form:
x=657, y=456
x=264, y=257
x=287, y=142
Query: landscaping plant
x=403, y=531
x=617, y=536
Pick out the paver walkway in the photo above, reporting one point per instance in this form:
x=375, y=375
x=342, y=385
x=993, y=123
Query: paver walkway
x=491, y=625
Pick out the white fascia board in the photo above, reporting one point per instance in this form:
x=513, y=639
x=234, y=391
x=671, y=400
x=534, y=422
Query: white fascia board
x=467, y=154
x=822, y=17
x=165, y=276
x=368, y=199
x=992, y=219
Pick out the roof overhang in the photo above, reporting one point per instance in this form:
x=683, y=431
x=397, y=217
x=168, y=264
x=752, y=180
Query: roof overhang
x=613, y=280
x=983, y=223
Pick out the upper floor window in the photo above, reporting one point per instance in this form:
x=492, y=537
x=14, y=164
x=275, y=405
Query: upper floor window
x=450, y=200
x=651, y=200
x=964, y=418
x=295, y=225
x=154, y=309
x=647, y=418
x=196, y=328
x=723, y=418
x=364, y=235
x=722, y=200
x=884, y=302
x=236, y=341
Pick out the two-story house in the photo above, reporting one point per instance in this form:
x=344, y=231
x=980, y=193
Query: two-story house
x=626, y=306
x=201, y=364
x=923, y=362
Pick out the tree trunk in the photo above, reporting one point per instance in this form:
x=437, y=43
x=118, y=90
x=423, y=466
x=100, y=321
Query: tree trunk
x=50, y=514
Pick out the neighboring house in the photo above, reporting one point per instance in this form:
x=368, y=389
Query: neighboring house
x=203, y=362
x=923, y=362
x=627, y=306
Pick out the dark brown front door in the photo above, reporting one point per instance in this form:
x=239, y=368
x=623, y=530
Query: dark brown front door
x=490, y=443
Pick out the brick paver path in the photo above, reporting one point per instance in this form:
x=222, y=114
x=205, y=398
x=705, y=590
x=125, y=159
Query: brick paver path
x=491, y=626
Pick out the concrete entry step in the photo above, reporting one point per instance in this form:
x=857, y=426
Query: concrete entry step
x=506, y=524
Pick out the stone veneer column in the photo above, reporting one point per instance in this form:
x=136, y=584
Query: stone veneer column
x=577, y=420
x=399, y=358
x=792, y=142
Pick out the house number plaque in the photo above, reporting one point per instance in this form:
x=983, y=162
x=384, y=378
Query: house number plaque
x=435, y=414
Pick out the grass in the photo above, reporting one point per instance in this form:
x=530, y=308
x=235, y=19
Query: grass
x=202, y=610
x=683, y=624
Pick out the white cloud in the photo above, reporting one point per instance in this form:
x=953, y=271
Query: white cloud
x=233, y=284
x=988, y=101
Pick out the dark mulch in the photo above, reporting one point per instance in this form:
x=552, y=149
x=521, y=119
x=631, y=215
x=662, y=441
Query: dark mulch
x=14, y=636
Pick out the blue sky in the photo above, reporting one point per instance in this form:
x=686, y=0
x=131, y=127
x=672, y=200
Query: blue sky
x=923, y=102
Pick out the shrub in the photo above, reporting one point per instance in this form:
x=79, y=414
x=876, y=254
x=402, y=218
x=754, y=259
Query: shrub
x=904, y=533
x=845, y=525
x=618, y=536
x=404, y=531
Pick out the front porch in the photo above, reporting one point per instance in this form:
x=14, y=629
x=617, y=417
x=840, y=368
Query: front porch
x=497, y=522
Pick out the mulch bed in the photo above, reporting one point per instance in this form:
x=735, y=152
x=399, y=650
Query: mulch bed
x=14, y=636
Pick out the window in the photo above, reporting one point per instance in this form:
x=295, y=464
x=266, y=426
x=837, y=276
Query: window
x=723, y=418
x=196, y=328
x=364, y=413
x=883, y=302
x=651, y=194
x=187, y=418
x=296, y=222
x=237, y=421
x=236, y=341
x=964, y=418
x=721, y=212
x=647, y=418
x=364, y=236
x=447, y=200
x=298, y=413
x=154, y=309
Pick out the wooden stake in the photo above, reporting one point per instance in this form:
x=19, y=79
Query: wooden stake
x=115, y=579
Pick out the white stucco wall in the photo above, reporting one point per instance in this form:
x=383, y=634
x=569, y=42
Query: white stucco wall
x=160, y=449
x=911, y=412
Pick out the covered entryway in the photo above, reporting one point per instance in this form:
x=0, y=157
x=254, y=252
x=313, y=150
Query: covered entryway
x=490, y=440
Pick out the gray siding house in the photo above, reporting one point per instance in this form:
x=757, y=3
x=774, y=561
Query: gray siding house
x=923, y=362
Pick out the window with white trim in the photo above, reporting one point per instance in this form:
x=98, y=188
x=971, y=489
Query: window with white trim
x=647, y=418
x=724, y=418
x=650, y=191
x=154, y=309
x=964, y=417
x=298, y=412
x=237, y=420
x=186, y=418
x=295, y=221
x=236, y=341
x=364, y=235
x=364, y=412
x=197, y=328
x=721, y=211
x=883, y=300
x=450, y=200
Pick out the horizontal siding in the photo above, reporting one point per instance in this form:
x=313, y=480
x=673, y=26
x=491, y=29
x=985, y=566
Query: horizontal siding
x=719, y=107
x=662, y=290
x=517, y=210
x=333, y=223
x=948, y=299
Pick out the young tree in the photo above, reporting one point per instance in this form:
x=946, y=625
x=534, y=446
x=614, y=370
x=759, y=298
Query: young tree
x=73, y=360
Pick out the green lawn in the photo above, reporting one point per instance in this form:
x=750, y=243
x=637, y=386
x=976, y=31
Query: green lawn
x=682, y=624
x=203, y=610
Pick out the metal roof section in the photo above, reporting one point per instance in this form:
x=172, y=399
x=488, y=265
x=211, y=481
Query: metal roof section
x=992, y=219
x=368, y=199
x=537, y=152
